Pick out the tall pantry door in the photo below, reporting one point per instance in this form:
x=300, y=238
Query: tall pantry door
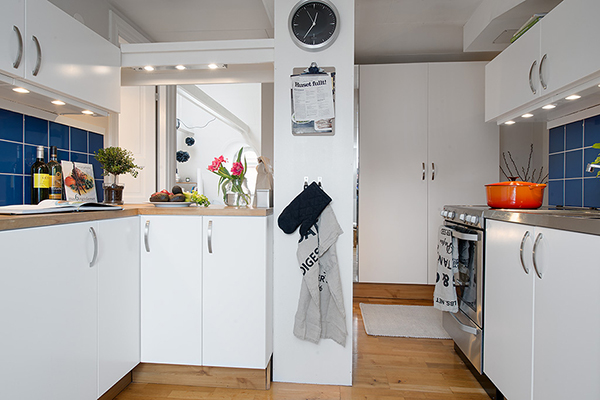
x=462, y=147
x=393, y=182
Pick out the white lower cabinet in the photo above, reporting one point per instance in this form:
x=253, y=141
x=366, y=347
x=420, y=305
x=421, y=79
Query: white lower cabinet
x=541, y=333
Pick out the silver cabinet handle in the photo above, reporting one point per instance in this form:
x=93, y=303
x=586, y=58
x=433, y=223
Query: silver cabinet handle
x=20, y=53
x=535, y=245
x=95, y=256
x=146, y=233
x=541, y=74
x=209, y=236
x=432, y=171
x=423, y=171
x=531, y=78
x=38, y=62
x=465, y=328
x=525, y=236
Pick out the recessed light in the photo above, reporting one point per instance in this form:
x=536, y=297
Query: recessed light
x=528, y=115
x=549, y=107
x=149, y=68
x=20, y=90
x=180, y=67
x=213, y=66
x=58, y=102
x=87, y=112
x=573, y=97
x=509, y=122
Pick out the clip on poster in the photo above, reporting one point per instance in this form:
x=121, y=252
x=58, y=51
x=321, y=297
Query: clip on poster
x=313, y=101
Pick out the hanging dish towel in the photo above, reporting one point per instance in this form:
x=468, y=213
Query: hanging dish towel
x=444, y=295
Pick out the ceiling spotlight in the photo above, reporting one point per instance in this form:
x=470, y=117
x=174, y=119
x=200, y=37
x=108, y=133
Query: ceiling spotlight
x=549, y=107
x=58, y=102
x=528, y=115
x=87, y=112
x=180, y=67
x=573, y=97
x=213, y=66
x=20, y=90
x=149, y=68
x=509, y=122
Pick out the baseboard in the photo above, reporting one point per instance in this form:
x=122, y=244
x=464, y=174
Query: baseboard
x=393, y=291
x=191, y=375
x=117, y=388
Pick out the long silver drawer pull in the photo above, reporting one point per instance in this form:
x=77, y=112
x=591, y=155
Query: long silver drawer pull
x=146, y=233
x=423, y=171
x=465, y=236
x=531, y=78
x=541, y=74
x=432, y=171
x=525, y=236
x=95, y=256
x=38, y=62
x=209, y=237
x=20, y=53
x=465, y=328
x=535, y=245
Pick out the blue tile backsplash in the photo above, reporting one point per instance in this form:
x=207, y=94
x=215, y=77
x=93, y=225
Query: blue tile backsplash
x=20, y=135
x=570, y=152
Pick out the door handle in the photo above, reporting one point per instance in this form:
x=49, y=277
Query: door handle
x=20, y=53
x=423, y=171
x=432, y=171
x=38, y=62
x=531, y=78
x=542, y=81
x=535, y=245
x=209, y=236
x=95, y=238
x=465, y=328
x=525, y=236
x=146, y=233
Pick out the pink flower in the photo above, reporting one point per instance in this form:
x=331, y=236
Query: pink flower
x=216, y=164
x=237, y=169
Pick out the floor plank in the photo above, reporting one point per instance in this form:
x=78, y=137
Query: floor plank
x=384, y=369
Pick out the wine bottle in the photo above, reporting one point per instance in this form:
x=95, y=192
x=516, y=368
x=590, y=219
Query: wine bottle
x=56, y=178
x=40, y=178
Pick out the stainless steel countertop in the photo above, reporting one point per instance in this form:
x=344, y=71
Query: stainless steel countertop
x=574, y=220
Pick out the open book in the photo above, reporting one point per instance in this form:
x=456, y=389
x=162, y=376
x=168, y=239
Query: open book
x=51, y=206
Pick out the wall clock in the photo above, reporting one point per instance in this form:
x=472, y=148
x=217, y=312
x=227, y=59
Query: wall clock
x=314, y=25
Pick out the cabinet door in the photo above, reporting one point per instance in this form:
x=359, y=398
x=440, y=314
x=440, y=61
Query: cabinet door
x=508, y=309
x=567, y=322
x=507, y=77
x=392, y=216
x=171, y=289
x=12, y=36
x=457, y=128
x=74, y=61
x=236, y=277
x=48, y=300
x=118, y=300
x=567, y=32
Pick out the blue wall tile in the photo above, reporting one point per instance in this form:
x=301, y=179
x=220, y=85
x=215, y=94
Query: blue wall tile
x=36, y=131
x=11, y=189
x=591, y=192
x=574, y=135
x=556, y=190
x=574, y=164
x=63, y=155
x=11, y=126
x=11, y=158
x=556, y=166
x=97, y=167
x=591, y=131
x=27, y=189
x=59, y=136
x=79, y=140
x=99, y=189
x=557, y=139
x=79, y=157
x=574, y=192
x=96, y=142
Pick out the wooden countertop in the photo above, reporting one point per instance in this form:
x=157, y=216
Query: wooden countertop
x=8, y=222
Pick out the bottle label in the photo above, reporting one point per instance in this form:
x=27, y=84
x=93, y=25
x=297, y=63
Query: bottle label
x=41, y=181
x=55, y=192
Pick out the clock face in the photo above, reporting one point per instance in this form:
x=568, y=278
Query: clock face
x=314, y=24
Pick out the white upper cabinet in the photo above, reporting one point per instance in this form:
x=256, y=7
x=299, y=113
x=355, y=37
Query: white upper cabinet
x=12, y=31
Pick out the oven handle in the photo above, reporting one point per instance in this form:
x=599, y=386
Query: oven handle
x=465, y=236
x=465, y=328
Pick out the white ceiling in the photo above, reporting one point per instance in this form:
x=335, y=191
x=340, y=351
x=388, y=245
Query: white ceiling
x=385, y=30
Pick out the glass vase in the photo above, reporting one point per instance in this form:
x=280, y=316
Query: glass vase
x=113, y=193
x=237, y=193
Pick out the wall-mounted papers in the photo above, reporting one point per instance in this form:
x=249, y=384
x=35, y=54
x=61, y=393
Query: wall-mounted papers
x=313, y=110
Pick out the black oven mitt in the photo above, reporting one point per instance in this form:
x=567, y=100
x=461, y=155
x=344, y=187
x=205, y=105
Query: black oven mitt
x=304, y=210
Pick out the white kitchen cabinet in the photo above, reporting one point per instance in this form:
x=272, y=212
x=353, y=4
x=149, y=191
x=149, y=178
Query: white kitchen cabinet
x=12, y=31
x=423, y=143
x=118, y=300
x=237, y=302
x=537, y=344
x=48, y=300
x=171, y=289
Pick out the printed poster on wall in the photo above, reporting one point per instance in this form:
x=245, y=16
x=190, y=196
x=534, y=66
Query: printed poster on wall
x=313, y=109
x=79, y=181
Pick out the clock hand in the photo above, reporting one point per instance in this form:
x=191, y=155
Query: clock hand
x=309, y=29
x=311, y=18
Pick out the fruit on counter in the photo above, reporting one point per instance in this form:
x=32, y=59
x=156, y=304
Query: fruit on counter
x=159, y=197
x=199, y=199
x=180, y=197
x=176, y=190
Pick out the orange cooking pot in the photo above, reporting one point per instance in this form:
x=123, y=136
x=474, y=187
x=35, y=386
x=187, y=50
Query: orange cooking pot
x=515, y=194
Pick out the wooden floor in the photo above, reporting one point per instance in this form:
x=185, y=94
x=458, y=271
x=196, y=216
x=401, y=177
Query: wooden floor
x=384, y=369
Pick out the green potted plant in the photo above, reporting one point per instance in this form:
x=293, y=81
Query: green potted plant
x=116, y=161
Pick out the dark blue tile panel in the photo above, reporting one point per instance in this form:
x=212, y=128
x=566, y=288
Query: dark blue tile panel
x=574, y=164
x=574, y=192
x=11, y=158
x=99, y=189
x=11, y=190
x=96, y=142
x=555, y=193
x=63, y=155
x=11, y=126
x=36, y=131
x=59, y=135
x=556, y=166
x=591, y=131
x=79, y=140
x=97, y=167
x=27, y=189
x=574, y=135
x=78, y=157
x=591, y=192
x=557, y=139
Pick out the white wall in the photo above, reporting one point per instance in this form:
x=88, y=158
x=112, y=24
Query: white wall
x=332, y=158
